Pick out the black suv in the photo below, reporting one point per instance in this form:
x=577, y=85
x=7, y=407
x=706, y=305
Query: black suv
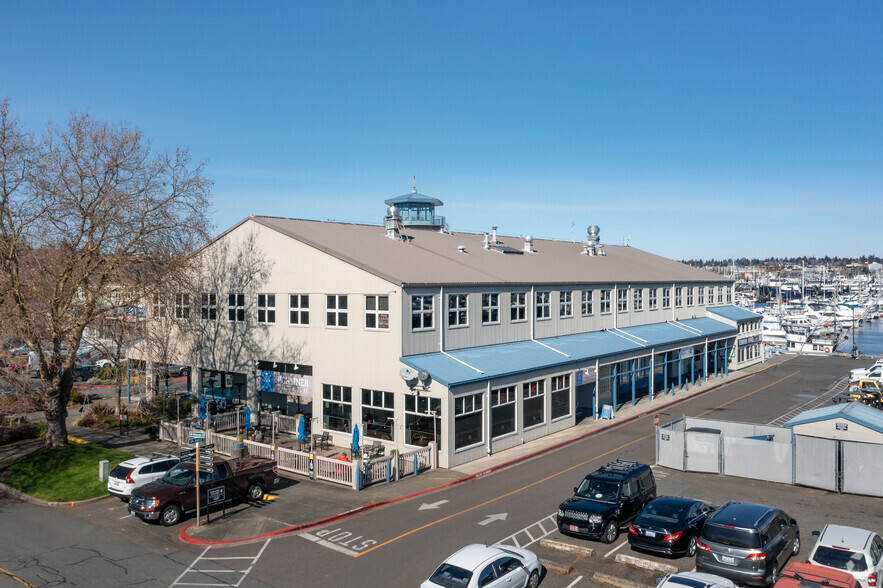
x=747, y=543
x=607, y=499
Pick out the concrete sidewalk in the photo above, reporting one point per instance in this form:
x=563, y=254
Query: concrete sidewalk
x=298, y=503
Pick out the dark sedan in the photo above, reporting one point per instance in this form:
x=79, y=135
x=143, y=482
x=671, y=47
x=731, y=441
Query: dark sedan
x=670, y=525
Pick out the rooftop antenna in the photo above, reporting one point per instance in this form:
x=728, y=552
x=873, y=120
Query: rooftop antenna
x=414, y=189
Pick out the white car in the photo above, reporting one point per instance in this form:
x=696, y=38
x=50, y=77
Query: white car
x=488, y=566
x=855, y=551
x=875, y=372
x=694, y=580
x=138, y=471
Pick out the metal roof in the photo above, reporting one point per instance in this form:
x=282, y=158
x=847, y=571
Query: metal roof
x=414, y=197
x=855, y=412
x=433, y=258
x=734, y=313
x=508, y=359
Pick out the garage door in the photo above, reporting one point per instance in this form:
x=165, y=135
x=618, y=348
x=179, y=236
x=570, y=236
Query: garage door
x=862, y=468
x=815, y=462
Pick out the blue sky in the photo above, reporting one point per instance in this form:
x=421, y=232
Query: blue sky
x=693, y=129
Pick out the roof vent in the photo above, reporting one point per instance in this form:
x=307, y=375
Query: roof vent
x=461, y=248
x=592, y=248
x=486, y=244
x=528, y=243
x=393, y=222
x=494, y=237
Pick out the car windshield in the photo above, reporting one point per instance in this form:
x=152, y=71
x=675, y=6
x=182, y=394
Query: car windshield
x=448, y=575
x=178, y=476
x=842, y=559
x=665, y=512
x=599, y=489
x=731, y=536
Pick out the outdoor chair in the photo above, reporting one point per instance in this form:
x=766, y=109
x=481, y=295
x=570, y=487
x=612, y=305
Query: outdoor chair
x=325, y=440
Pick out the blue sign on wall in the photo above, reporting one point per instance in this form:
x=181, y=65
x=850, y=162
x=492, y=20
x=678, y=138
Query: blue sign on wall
x=266, y=381
x=579, y=377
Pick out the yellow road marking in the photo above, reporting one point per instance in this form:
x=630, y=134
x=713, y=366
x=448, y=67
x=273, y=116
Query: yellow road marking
x=532, y=484
x=16, y=578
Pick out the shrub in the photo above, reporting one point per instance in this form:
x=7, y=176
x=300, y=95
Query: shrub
x=11, y=433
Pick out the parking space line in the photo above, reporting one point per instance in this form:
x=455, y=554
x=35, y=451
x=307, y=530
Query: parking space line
x=615, y=549
x=575, y=582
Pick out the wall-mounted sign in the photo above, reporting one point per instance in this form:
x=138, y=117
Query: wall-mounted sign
x=842, y=426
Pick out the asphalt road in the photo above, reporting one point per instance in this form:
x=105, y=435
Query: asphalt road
x=401, y=544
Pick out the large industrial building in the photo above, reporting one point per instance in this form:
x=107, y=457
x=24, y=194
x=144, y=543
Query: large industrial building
x=481, y=342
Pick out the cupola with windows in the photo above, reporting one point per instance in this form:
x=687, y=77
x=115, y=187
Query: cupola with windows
x=416, y=211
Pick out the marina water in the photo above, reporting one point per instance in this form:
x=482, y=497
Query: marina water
x=869, y=339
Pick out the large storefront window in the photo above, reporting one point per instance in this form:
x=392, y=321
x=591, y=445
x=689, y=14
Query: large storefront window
x=337, y=407
x=467, y=420
x=534, y=394
x=503, y=411
x=422, y=420
x=377, y=413
x=560, y=396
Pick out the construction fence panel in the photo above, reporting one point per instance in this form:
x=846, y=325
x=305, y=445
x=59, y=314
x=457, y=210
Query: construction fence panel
x=670, y=445
x=862, y=468
x=758, y=459
x=815, y=462
x=703, y=452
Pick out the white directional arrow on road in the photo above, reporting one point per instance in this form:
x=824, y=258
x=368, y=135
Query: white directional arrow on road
x=497, y=517
x=426, y=506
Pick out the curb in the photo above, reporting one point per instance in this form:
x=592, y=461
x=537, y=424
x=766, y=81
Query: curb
x=18, y=494
x=618, y=582
x=556, y=568
x=183, y=536
x=637, y=562
x=568, y=547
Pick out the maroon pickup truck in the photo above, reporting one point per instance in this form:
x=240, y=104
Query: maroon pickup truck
x=174, y=494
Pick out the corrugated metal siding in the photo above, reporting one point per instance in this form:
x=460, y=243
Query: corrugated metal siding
x=862, y=468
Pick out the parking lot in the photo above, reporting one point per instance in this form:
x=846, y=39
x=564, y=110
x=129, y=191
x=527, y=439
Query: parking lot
x=812, y=508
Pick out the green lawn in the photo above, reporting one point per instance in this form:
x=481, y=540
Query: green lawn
x=61, y=473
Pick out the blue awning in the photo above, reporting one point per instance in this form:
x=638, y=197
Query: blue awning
x=734, y=313
x=478, y=364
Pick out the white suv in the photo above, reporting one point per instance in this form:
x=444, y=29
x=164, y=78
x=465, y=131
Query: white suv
x=855, y=551
x=138, y=471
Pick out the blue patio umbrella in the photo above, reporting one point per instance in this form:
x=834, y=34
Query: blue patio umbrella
x=301, y=430
x=356, y=439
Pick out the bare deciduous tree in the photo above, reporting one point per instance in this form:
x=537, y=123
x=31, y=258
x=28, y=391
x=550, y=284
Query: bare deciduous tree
x=90, y=213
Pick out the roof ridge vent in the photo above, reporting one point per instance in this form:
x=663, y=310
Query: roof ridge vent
x=592, y=247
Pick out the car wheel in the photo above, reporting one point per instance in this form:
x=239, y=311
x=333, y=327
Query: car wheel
x=170, y=515
x=534, y=579
x=774, y=575
x=611, y=532
x=255, y=491
x=691, y=547
x=185, y=372
x=796, y=545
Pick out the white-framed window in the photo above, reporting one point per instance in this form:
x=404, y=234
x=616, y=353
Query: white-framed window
x=208, y=309
x=701, y=295
x=652, y=300
x=638, y=301
x=586, y=303
x=622, y=300
x=182, y=306
x=236, y=308
x=679, y=296
x=467, y=420
x=422, y=420
x=490, y=309
x=376, y=312
x=458, y=310
x=560, y=396
x=711, y=290
x=266, y=309
x=337, y=407
x=690, y=296
x=534, y=403
x=517, y=307
x=544, y=305
x=298, y=309
x=421, y=311
x=158, y=307
x=729, y=294
x=378, y=410
x=503, y=411
x=605, y=302
x=565, y=304
x=666, y=298
x=336, y=310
